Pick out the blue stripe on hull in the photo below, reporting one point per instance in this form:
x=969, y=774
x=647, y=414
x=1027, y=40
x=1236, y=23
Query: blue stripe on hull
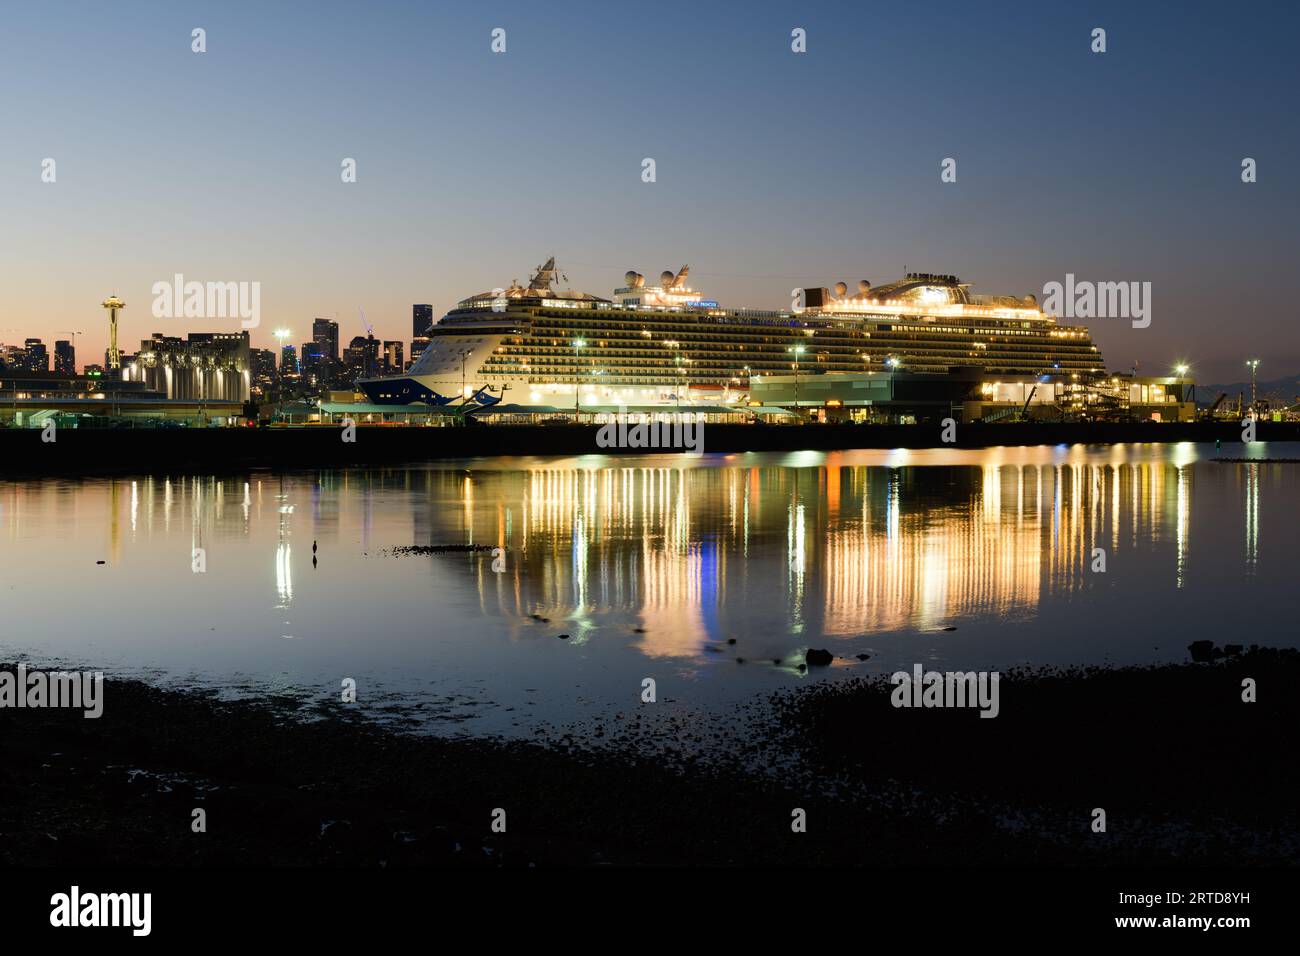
x=402, y=391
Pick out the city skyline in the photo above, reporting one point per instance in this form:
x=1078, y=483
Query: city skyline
x=774, y=169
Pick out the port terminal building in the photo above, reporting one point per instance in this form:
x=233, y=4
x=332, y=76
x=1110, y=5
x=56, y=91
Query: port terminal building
x=31, y=400
x=970, y=394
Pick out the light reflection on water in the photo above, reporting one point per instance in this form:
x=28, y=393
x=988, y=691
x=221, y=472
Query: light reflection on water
x=649, y=565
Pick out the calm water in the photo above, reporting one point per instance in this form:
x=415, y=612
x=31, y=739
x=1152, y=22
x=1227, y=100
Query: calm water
x=858, y=552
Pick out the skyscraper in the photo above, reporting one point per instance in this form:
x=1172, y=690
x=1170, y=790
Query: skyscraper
x=325, y=333
x=38, y=359
x=263, y=368
x=421, y=321
x=315, y=366
x=362, y=359
x=393, y=361
x=65, y=357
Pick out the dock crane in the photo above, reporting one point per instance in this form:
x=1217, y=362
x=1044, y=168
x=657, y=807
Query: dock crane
x=1209, y=412
x=1024, y=411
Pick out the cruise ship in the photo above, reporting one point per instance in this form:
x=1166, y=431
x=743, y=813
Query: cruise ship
x=667, y=344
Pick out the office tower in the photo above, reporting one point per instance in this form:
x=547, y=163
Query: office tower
x=421, y=321
x=38, y=359
x=393, y=361
x=262, y=363
x=325, y=333
x=65, y=357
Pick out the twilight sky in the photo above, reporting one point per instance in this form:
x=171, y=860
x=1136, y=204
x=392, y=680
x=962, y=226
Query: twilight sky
x=774, y=169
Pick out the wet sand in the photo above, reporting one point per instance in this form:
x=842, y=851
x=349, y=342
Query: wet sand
x=1187, y=774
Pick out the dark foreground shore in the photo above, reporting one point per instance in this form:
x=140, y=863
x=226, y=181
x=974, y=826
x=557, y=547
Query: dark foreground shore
x=136, y=450
x=1187, y=773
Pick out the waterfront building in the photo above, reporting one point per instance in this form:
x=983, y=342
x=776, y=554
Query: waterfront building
x=206, y=366
x=969, y=394
x=34, y=399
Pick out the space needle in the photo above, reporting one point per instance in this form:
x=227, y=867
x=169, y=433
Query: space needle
x=113, y=303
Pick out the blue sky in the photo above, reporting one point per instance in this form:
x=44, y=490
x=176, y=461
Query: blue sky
x=774, y=169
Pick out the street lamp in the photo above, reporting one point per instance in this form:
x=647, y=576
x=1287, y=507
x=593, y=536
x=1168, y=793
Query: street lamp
x=797, y=350
x=578, y=345
x=464, y=355
x=1254, y=364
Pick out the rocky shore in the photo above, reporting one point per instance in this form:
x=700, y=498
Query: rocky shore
x=1187, y=772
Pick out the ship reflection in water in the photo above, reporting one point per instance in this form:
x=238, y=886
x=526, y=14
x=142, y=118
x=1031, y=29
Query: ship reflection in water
x=822, y=545
x=980, y=558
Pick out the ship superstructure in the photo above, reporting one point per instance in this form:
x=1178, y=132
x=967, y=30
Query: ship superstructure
x=667, y=344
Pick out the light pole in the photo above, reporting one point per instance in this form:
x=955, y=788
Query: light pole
x=464, y=354
x=1254, y=364
x=578, y=345
x=797, y=350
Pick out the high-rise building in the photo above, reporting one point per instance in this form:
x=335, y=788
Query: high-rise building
x=65, y=357
x=262, y=363
x=393, y=362
x=362, y=359
x=421, y=321
x=417, y=349
x=288, y=360
x=325, y=333
x=38, y=359
x=315, y=365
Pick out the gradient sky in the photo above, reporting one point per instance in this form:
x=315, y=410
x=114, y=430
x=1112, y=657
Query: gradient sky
x=774, y=169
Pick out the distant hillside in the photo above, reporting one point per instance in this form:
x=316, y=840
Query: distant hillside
x=1276, y=389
